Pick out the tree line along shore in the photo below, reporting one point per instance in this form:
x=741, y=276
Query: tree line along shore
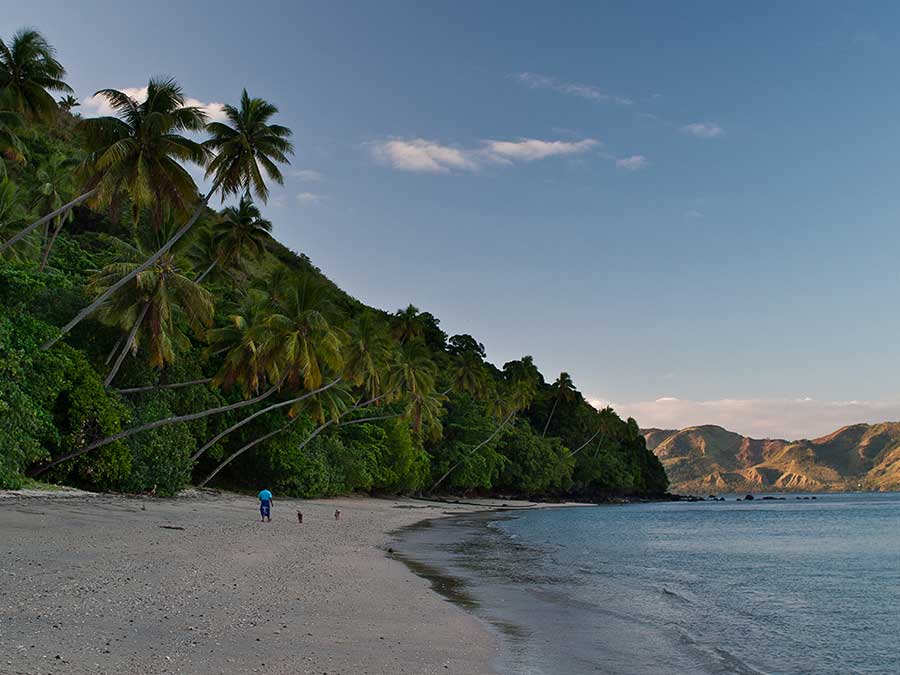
x=149, y=340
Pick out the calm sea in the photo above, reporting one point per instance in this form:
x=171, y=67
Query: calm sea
x=778, y=587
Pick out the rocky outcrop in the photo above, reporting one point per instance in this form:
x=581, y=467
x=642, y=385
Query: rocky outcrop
x=709, y=458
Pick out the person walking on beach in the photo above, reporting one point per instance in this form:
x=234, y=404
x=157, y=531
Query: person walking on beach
x=265, y=505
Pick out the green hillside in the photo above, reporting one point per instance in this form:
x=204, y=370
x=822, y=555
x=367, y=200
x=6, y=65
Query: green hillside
x=213, y=354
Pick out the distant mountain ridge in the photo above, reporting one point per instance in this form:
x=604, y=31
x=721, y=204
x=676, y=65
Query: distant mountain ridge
x=710, y=459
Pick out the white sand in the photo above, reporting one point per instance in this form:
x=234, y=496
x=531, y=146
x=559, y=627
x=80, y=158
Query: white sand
x=94, y=584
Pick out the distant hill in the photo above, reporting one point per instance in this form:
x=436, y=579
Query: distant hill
x=710, y=459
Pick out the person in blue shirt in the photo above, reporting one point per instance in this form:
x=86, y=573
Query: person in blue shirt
x=265, y=505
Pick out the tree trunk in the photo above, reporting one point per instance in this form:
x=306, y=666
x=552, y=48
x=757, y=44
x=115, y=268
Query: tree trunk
x=315, y=433
x=61, y=211
x=49, y=245
x=112, y=352
x=553, y=410
x=155, y=425
x=128, y=343
x=87, y=311
x=269, y=435
x=247, y=419
x=369, y=419
x=156, y=387
x=584, y=445
x=476, y=448
x=207, y=271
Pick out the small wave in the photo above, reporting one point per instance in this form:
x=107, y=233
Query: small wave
x=720, y=660
x=676, y=595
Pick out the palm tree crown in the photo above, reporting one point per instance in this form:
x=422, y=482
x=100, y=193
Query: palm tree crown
x=166, y=289
x=28, y=71
x=242, y=233
x=247, y=148
x=137, y=152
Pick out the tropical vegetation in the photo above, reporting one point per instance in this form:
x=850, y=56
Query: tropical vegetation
x=149, y=341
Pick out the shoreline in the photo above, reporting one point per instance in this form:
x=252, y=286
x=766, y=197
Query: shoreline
x=97, y=583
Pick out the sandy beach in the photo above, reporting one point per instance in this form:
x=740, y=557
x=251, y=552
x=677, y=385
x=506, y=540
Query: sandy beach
x=107, y=584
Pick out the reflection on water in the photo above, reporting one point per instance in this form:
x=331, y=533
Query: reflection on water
x=736, y=587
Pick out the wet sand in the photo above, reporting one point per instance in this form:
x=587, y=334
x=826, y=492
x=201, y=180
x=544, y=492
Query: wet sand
x=107, y=584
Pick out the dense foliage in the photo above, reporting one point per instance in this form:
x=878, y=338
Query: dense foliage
x=210, y=353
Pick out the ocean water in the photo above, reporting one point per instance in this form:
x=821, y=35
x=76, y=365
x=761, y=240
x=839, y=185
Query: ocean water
x=776, y=587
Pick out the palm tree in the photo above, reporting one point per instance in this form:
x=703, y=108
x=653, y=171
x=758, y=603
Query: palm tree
x=28, y=71
x=367, y=352
x=241, y=340
x=565, y=391
x=136, y=155
x=242, y=234
x=293, y=344
x=11, y=215
x=10, y=144
x=249, y=143
x=467, y=374
x=152, y=306
x=67, y=102
x=303, y=340
x=54, y=187
x=407, y=324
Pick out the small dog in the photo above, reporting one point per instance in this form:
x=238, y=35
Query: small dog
x=299, y=517
x=337, y=514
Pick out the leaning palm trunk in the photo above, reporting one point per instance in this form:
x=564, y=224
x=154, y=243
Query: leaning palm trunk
x=157, y=387
x=49, y=244
x=275, y=406
x=585, y=444
x=473, y=450
x=60, y=212
x=91, y=308
x=309, y=438
x=207, y=271
x=155, y=425
x=553, y=410
x=128, y=344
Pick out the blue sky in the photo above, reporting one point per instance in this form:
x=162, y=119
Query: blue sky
x=691, y=207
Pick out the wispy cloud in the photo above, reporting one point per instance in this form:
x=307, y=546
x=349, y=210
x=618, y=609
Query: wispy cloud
x=633, y=163
x=309, y=198
x=98, y=106
x=586, y=91
x=791, y=419
x=693, y=214
x=426, y=156
x=703, y=130
x=307, y=175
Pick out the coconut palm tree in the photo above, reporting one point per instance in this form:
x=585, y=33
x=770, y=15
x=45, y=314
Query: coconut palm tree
x=240, y=235
x=295, y=342
x=136, y=155
x=241, y=340
x=11, y=145
x=565, y=391
x=246, y=148
x=153, y=305
x=367, y=352
x=11, y=215
x=303, y=339
x=28, y=72
x=54, y=188
x=67, y=103
x=407, y=324
x=467, y=374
